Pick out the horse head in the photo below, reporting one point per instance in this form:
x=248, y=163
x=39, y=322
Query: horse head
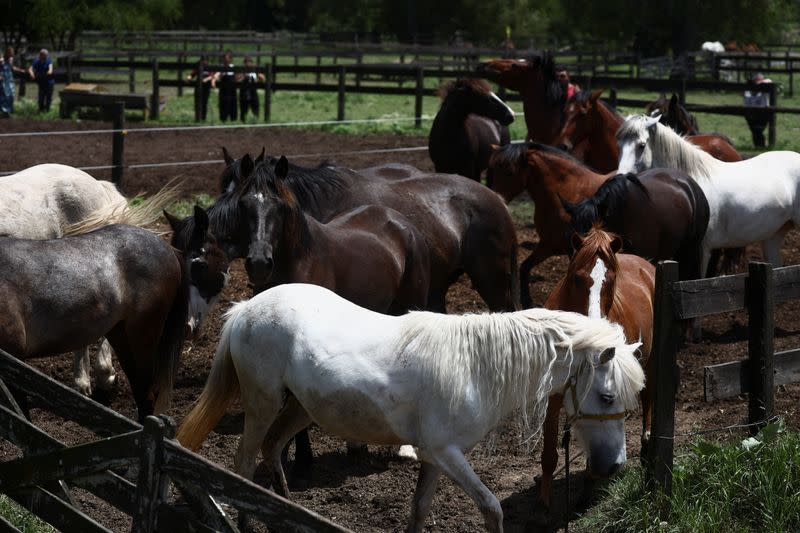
x=507, y=165
x=205, y=262
x=678, y=118
x=237, y=170
x=472, y=95
x=635, y=143
x=578, y=121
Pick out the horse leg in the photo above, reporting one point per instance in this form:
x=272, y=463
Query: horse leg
x=696, y=324
x=539, y=254
x=303, y=456
x=291, y=419
x=423, y=496
x=771, y=248
x=80, y=371
x=452, y=461
x=104, y=367
x=549, y=448
x=256, y=424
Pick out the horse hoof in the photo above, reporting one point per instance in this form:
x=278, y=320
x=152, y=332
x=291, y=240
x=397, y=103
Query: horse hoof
x=407, y=451
x=85, y=389
x=108, y=383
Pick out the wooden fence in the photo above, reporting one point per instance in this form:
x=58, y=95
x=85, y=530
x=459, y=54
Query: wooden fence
x=130, y=467
x=758, y=292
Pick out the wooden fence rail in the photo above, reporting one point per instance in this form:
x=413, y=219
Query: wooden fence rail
x=758, y=292
x=130, y=467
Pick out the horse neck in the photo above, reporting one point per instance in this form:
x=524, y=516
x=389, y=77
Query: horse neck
x=298, y=248
x=543, y=120
x=670, y=150
x=605, y=124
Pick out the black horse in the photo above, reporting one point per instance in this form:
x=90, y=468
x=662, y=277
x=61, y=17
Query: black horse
x=660, y=214
x=471, y=119
x=673, y=115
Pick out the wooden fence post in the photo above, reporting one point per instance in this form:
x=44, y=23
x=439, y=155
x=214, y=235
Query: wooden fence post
x=340, y=108
x=69, y=68
x=418, y=98
x=773, y=117
x=118, y=144
x=149, y=487
x=760, y=290
x=612, y=97
x=155, y=102
x=131, y=74
x=23, y=79
x=181, y=60
x=198, y=92
x=664, y=380
x=267, y=92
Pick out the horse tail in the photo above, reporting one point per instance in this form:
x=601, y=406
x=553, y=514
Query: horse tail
x=142, y=212
x=221, y=386
x=515, y=281
x=171, y=342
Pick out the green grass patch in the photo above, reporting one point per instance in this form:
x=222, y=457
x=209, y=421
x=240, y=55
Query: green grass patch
x=184, y=208
x=20, y=518
x=744, y=486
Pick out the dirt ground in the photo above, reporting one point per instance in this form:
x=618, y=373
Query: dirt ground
x=375, y=494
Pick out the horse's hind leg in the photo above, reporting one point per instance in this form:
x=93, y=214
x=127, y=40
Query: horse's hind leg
x=80, y=371
x=452, y=461
x=291, y=419
x=423, y=496
x=104, y=367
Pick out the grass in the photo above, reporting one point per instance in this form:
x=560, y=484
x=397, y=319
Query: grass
x=752, y=485
x=21, y=518
x=184, y=208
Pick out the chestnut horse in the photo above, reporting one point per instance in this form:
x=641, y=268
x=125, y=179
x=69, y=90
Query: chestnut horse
x=471, y=119
x=588, y=119
x=673, y=115
x=549, y=175
x=601, y=282
x=543, y=97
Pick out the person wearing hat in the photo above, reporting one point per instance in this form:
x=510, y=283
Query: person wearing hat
x=41, y=71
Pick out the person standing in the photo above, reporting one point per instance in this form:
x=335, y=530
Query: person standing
x=203, y=91
x=226, y=80
x=563, y=78
x=248, y=89
x=757, y=119
x=41, y=71
x=7, y=71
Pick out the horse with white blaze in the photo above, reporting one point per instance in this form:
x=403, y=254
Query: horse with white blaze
x=755, y=200
x=299, y=354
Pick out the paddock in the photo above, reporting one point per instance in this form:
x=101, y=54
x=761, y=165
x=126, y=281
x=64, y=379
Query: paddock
x=375, y=494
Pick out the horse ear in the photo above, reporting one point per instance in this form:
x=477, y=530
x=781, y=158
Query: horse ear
x=247, y=166
x=606, y=355
x=282, y=167
x=616, y=244
x=228, y=159
x=577, y=241
x=495, y=147
x=651, y=121
x=200, y=220
x=595, y=95
x=674, y=100
x=174, y=222
x=262, y=155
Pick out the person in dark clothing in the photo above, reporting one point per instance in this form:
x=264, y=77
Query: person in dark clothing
x=248, y=90
x=41, y=71
x=226, y=81
x=202, y=93
x=757, y=119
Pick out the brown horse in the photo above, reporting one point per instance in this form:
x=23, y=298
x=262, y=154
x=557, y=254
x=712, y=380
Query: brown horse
x=589, y=120
x=543, y=97
x=549, y=175
x=471, y=119
x=601, y=282
x=672, y=114
x=371, y=255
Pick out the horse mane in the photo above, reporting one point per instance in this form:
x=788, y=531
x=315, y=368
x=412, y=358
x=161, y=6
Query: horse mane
x=670, y=150
x=296, y=233
x=505, y=359
x=583, y=97
x=603, y=204
x=596, y=243
x=477, y=85
x=545, y=62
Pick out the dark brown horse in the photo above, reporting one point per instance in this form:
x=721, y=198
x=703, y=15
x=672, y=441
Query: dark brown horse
x=549, y=175
x=471, y=119
x=119, y=282
x=673, y=115
x=660, y=214
x=370, y=255
x=465, y=226
x=590, y=121
x=602, y=282
x=543, y=97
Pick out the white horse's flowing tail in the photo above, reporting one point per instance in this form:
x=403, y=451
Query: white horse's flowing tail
x=144, y=214
x=221, y=387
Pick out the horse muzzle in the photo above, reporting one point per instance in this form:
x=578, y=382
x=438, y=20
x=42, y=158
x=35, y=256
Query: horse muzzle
x=259, y=269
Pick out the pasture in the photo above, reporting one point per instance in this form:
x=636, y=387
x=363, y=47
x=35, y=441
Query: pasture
x=374, y=495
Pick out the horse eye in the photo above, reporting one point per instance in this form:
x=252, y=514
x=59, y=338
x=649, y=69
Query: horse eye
x=641, y=145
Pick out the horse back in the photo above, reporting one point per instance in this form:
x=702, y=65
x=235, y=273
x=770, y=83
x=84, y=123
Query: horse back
x=717, y=145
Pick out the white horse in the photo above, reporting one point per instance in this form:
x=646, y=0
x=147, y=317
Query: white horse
x=755, y=200
x=300, y=353
x=50, y=201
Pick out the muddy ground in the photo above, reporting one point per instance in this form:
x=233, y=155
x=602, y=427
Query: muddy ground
x=374, y=495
